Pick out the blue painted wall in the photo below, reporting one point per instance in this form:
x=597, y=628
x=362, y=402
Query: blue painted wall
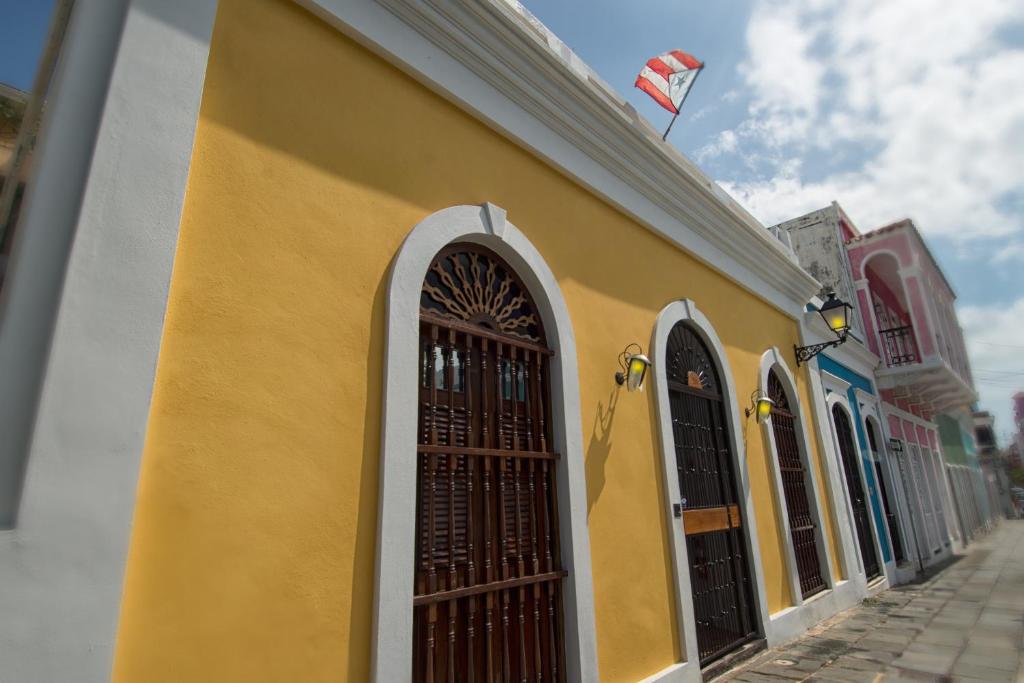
x=858, y=381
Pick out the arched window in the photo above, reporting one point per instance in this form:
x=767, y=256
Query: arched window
x=719, y=570
x=802, y=527
x=487, y=595
x=855, y=487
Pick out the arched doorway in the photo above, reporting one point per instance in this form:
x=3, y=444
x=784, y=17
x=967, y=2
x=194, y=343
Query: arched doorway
x=719, y=570
x=803, y=530
x=855, y=487
x=487, y=599
x=884, y=485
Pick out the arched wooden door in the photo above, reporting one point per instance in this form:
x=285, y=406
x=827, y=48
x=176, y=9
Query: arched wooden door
x=487, y=596
x=858, y=500
x=719, y=571
x=802, y=528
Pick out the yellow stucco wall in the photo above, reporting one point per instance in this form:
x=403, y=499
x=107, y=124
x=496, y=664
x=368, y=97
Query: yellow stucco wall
x=253, y=545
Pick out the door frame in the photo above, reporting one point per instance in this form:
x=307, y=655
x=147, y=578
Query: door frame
x=832, y=400
x=688, y=669
x=886, y=478
x=391, y=658
x=771, y=360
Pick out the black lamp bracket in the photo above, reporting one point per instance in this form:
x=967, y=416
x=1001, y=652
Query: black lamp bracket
x=806, y=353
x=620, y=377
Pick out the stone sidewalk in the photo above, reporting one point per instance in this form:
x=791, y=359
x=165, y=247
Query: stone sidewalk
x=964, y=624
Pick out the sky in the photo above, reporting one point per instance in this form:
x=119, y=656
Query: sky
x=22, y=34
x=905, y=108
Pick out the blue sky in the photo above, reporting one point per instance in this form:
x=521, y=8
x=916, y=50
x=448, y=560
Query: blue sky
x=22, y=33
x=905, y=108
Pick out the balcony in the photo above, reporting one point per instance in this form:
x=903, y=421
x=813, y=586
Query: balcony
x=909, y=320
x=899, y=346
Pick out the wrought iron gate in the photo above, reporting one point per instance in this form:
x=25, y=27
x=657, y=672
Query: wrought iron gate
x=487, y=596
x=802, y=528
x=858, y=501
x=719, y=571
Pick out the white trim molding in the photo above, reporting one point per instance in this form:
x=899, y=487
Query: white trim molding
x=687, y=312
x=499, y=63
x=393, y=602
x=84, y=307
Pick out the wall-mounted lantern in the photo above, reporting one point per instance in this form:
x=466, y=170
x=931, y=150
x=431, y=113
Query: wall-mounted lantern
x=836, y=314
x=760, y=406
x=634, y=366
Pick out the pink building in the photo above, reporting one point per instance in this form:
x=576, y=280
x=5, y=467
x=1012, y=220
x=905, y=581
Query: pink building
x=905, y=317
x=910, y=322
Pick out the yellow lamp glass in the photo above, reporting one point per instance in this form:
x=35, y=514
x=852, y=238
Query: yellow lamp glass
x=636, y=371
x=764, y=409
x=837, y=321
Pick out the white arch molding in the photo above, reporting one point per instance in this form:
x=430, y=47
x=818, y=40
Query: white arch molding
x=834, y=399
x=773, y=360
x=393, y=602
x=686, y=311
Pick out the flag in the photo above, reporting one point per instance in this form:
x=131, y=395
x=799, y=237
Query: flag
x=668, y=77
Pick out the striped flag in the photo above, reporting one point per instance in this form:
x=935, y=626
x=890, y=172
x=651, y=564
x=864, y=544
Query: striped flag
x=668, y=77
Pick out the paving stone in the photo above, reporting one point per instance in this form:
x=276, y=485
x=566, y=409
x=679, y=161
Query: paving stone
x=897, y=636
x=964, y=624
x=1005, y=661
x=928, y=662
x=877, y=656
x=751, y=677
x=943, y=637
x=990, y=650
x=850, y=662
x=787, y=672
x=896, y=678
x=983, y=673
x=989, y=640
x=838, y=673
x=881, y=645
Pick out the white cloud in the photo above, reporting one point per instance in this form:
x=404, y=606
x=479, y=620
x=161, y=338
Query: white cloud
x=926, y=95
x=899, y=108
x=724, y=143
x=996, y=347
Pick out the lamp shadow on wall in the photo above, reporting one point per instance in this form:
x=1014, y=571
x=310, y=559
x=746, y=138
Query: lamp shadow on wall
x=599, y=447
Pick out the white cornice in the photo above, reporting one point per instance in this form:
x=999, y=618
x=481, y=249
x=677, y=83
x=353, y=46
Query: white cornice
x=495, y=61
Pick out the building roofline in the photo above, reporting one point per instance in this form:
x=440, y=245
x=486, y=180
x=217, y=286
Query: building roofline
x=909, y=225
x=495, y=60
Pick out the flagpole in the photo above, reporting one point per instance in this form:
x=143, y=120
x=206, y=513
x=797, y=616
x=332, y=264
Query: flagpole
x=680, y=107
x=672, y=121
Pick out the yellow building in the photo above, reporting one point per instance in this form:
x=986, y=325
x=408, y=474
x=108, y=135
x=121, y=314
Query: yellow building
x=385, y=437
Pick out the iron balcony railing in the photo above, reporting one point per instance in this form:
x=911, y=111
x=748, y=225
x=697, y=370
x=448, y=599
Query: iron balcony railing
x=899, y=345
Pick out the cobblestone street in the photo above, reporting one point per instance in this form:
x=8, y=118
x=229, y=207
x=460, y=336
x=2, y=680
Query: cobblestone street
x=963, y=624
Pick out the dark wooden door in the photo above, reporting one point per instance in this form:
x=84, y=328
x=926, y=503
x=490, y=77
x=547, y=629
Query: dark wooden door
x=719, y=571
x=802, y=528
x=488, y=596
x=858, y=500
